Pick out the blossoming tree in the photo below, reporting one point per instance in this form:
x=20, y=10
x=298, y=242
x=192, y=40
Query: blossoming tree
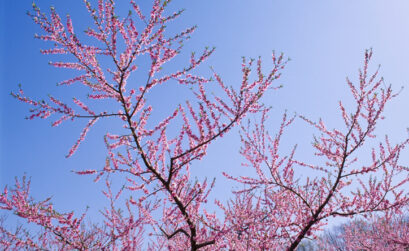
x=279, y=208
x=154, y=159
x=276, y=210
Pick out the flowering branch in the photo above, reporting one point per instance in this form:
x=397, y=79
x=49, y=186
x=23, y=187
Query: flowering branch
x=342, y=187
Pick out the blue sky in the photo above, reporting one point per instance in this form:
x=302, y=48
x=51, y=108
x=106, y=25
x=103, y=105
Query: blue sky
x=324, y=39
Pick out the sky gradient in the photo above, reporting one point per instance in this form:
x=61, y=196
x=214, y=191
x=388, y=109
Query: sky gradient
x=325, y=40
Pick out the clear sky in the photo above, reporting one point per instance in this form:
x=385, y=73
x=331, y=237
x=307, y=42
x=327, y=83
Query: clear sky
x=325, y=40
